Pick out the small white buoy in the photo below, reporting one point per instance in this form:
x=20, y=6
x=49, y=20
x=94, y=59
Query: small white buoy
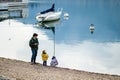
x=66, y=15
x=92, y=28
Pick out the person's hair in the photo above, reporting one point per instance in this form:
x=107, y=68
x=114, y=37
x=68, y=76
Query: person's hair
x=53, y=57
x=35, y=34
x=44, y=52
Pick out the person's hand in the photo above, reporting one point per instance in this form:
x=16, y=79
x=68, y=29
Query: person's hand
x=36, y=43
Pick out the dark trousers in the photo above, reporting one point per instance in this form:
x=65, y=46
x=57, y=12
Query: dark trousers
x=34, y=54
x=44, y=63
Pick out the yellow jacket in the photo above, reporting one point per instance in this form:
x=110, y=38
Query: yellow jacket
x=44, y=57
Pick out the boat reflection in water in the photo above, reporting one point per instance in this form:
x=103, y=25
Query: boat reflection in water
x=48, y=25
x=51, y=25
x=14, y=12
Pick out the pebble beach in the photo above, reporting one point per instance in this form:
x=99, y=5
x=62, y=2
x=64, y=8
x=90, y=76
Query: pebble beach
x=19, y=70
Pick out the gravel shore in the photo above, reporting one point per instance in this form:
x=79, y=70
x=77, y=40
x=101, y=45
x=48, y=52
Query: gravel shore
x=20, y=70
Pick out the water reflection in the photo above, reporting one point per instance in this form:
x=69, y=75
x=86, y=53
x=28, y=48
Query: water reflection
x=51, y=25
x=14, y=12
x=88, y=56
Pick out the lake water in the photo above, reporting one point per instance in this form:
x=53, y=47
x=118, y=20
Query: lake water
x=75, y=46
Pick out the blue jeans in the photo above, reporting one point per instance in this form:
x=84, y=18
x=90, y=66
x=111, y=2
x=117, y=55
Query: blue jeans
x=44, y=63
x=34, y=54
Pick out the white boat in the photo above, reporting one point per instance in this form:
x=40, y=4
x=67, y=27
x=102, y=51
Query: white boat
x=49, y=15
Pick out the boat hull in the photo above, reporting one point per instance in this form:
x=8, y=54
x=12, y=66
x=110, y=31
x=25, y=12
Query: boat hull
x=50, y=16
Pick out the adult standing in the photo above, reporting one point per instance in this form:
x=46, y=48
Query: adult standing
x=33, y=43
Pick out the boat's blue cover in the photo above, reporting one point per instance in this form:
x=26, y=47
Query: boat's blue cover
x=48, y=10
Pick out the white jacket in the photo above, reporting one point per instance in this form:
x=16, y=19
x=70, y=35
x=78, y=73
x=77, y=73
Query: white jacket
x=54, y=62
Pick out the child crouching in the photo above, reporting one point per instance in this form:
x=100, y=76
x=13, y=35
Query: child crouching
x=44, y=57
x=54, y=61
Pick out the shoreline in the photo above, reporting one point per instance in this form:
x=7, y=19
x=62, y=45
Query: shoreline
x=12, y=69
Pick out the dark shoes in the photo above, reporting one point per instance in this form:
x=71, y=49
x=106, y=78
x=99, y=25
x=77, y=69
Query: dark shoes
x=44, y=64
x=32, y=63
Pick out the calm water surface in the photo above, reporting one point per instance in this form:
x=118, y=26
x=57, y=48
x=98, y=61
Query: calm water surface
x=75, y=46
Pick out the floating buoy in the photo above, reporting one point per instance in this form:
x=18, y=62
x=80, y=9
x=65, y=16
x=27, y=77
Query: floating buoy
x=92, y=28
x=66, y=15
